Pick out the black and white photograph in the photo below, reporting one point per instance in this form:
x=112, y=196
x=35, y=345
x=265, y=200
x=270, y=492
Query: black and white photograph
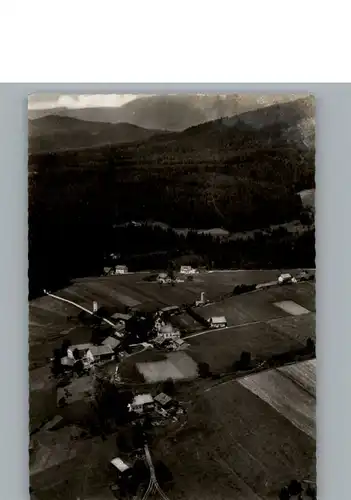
x=172, y=316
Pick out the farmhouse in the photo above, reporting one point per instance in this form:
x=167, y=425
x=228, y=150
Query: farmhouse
x=97, y=354
x=187, y=270
x=167, y=332
x=142, y=403
x=217, y=322
x=121, y=269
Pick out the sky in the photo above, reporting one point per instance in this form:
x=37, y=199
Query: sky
x=56, y=100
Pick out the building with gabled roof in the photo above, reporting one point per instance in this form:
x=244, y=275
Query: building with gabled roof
x=99, y=353
x=142, y=403
x=163, y=399
x=218, y=322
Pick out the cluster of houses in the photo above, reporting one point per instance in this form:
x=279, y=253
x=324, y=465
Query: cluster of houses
x=161, y=406
x=162, y=277
x=162, y=335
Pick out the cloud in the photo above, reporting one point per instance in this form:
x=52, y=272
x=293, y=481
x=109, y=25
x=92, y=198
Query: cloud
x=55, y=100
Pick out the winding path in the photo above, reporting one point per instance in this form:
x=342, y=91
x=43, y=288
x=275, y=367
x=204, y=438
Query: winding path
x=153, y=483
x=78, y=306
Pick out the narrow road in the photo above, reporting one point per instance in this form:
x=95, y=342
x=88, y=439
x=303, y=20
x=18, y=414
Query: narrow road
x=234, y=327
x=153, y=484
x=78, y=306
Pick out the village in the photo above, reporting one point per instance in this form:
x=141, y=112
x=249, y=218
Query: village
x=131, y=366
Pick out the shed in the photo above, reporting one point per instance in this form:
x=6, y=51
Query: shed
x=163, y=400
x=120, y=465
x=168, y=332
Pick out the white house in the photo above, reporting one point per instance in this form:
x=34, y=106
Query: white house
x=217, y=322
x=187, y=270
x=121, y=269
x=167, y=332
x=100, y=353
x=286, y=278
x=142, y=403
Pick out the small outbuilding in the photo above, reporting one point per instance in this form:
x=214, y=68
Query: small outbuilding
x=124, y=470
x=218, y=322
x=163, y=400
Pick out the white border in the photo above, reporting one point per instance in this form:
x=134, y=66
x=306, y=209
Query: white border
x=188, y=41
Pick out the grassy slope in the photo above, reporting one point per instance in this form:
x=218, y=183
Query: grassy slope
x=235, y=442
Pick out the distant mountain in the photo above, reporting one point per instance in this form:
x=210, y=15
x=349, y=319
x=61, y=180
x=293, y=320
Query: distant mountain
x=280, y=125
x=172, y=112
x=55, y=133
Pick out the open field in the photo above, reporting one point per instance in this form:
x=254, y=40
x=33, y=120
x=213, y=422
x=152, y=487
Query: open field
x=220, y=349
x=304, y=374
x=48, y=317
x=236, y=445
x=297, y=327
x=185, y=322
x=89, y=462
x=291, y=307
x=286, y=392
x=260, y=305
x=177, y=366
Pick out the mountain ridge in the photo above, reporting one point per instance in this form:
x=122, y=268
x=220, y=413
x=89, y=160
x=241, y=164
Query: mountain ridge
x=174, y=112
x=54, y=133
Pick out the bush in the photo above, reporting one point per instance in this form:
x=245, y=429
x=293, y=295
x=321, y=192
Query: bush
x=168, y=387
x=244, y=363
x=310, y=346
x=203, y=370
x=295, y=487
